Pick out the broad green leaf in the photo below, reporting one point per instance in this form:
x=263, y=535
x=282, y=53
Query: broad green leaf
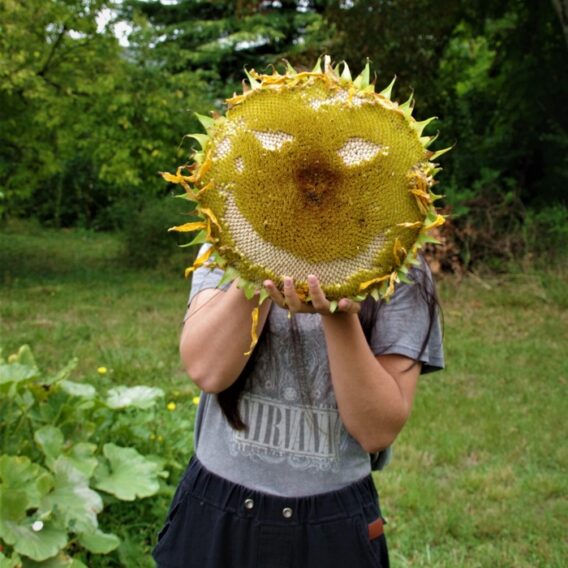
x=130, y=475
x=25, y=357
x=39, y=544
x=139, y=396
x=16, y=373
x=81, y=455
x=76, y=503
x=83, y=390
x=99, y=542
x=13, y=562
x=18, y=473
x=50, y=439
x=13, y=503
x=62, y=560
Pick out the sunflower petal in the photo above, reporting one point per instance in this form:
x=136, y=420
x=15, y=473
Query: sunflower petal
x=415, y=225
x=368, y=283
x=208, y=213
x=200, y=261
x=439, y=220
x=393, y=278
x=399, y=252
x=253, y=330
x=188, y=227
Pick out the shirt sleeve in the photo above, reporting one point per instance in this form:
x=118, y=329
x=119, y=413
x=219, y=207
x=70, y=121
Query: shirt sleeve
x=402, y=325
x=205, y=277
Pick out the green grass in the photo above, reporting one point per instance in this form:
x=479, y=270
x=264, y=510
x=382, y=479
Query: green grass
x=479, y=476
x=69, y=294
x=479, y=473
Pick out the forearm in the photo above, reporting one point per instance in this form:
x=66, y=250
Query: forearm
x=371, y=403
x=213, y=343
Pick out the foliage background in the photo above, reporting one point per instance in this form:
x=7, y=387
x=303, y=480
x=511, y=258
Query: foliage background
x=88, y=121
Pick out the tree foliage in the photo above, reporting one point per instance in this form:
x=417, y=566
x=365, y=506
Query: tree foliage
x=86, y=123
x=225, y=36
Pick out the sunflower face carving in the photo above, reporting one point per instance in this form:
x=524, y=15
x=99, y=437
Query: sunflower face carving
x=314, y=173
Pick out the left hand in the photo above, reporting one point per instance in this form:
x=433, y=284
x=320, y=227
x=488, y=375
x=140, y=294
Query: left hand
x=288, y=299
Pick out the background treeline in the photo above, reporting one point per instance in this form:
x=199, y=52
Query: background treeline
x=86, y=124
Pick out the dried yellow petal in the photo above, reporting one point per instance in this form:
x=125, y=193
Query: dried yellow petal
x=188, y=227
x=440, y=220
x=365, y=285
x=254, y=330
x=200, y=261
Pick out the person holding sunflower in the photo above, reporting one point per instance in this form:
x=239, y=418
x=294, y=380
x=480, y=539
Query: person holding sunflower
x=290, y=426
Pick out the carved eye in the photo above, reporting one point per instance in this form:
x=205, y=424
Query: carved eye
x=273, y=140
x=357, y=150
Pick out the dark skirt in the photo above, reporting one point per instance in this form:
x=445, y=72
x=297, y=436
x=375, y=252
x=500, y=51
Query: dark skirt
x=213, y=523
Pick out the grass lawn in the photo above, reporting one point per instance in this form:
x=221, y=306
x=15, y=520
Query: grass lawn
x=479, y=473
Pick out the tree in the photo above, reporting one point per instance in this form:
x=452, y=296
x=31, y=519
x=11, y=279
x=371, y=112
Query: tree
x=83, y=123
x=492, y=71
x=220, y=38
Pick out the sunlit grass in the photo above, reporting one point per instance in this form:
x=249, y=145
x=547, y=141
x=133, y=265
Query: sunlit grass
x=479, y=475
x=69, y=294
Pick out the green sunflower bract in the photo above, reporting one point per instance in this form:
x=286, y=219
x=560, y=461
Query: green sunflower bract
x=313, y=173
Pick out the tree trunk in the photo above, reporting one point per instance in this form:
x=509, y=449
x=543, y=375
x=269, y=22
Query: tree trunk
x=561, y=7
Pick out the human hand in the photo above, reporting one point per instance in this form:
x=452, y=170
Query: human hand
x=290, y=300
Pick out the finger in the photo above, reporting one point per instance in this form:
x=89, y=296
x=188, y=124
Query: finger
x=349, y=306
x=319, y=301
x=274, y=293
x=292, y=301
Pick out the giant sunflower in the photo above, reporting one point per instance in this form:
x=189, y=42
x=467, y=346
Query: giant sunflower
x=313, y=173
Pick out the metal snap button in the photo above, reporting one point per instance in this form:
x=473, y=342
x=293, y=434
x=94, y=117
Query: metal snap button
x=249, y=504
x=287, y=512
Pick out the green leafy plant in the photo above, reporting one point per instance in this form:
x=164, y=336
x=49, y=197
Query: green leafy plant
x=58, y=468
x=147, y=242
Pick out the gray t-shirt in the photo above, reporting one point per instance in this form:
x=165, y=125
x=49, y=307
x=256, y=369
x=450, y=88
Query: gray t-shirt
x=295, y=443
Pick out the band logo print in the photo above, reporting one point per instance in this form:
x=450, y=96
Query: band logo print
x=279, y=430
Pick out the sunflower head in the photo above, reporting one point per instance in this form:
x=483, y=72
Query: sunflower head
x=313, y=173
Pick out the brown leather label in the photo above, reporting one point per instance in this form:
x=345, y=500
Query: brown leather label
x=376, y=529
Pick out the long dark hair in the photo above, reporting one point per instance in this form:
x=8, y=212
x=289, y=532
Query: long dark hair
x=229, y=399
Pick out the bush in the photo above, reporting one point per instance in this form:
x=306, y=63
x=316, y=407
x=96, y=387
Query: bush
x=148, y=244
x=70, y=454
x=546, y=231
x=490, y=225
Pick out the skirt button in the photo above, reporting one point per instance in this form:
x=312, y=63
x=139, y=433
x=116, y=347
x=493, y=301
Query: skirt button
x=249, y=504
x=287, y=512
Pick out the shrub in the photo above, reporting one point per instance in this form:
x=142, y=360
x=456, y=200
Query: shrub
x=148, y=244
x=68, y=453
x=546, y=231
